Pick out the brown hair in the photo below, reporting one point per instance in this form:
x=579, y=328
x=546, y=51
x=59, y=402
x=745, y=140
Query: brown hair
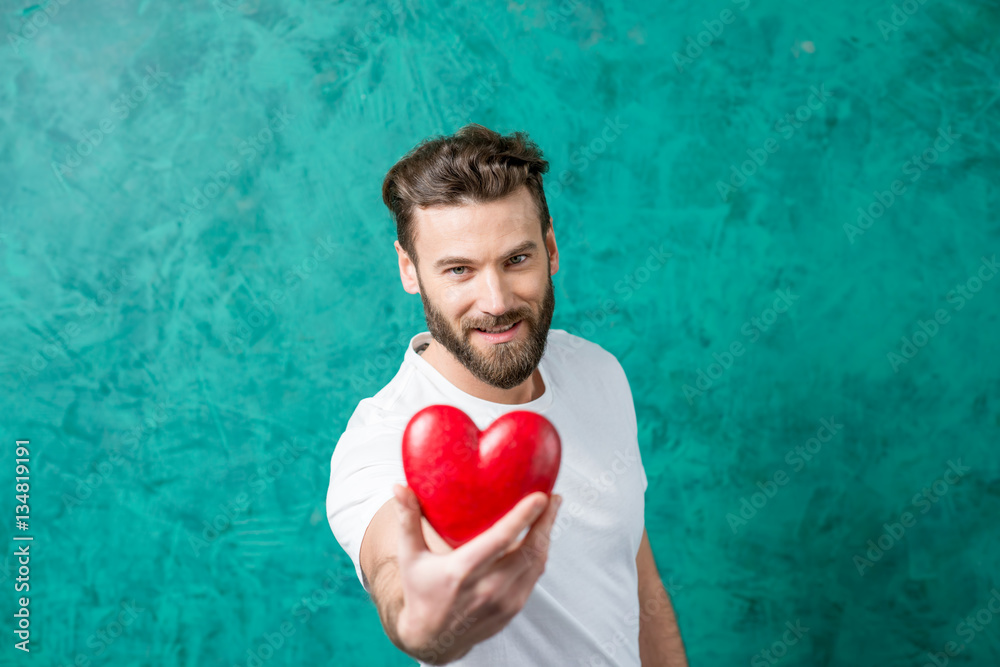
x=474, y=165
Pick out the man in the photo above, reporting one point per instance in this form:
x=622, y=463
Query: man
x=476, y=241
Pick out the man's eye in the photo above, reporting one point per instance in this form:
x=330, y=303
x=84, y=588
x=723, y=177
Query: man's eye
x=456, y=268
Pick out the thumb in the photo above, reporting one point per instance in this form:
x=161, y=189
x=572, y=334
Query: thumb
x=411, y=535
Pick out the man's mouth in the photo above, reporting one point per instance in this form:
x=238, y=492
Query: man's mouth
x=500, y=334
x=498, y=329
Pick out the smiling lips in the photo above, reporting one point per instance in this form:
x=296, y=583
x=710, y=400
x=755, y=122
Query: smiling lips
x=502, y=336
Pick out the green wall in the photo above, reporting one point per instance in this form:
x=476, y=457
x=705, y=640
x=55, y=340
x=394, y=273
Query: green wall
x=198, y=285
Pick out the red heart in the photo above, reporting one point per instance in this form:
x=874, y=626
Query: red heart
x=466, y=479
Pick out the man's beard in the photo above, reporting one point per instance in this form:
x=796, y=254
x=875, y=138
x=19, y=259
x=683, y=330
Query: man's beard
x=503, y=365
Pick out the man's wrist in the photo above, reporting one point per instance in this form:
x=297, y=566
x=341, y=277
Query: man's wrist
x=411, y=640
x=401, y=626
x=387, y=594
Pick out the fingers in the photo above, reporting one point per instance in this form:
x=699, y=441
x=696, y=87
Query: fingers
x=515, y=574
x=534, y=548
x=411, y=537
x=486, y=548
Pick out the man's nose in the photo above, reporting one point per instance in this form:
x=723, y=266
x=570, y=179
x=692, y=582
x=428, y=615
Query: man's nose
x=495, y=294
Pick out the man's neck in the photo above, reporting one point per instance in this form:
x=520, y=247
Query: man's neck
x=458, y=375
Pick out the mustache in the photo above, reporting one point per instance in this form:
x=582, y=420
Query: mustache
x=501, y=323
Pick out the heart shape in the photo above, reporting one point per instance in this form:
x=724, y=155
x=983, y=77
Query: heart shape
x=466, y=479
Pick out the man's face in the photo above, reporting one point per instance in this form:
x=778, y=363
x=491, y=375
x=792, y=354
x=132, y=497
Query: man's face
x=476, y=273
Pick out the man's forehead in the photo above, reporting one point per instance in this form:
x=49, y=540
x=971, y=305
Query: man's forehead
x=474, y=229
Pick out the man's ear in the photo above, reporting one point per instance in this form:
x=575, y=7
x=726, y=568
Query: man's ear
x=552, y=248
x=407, y=271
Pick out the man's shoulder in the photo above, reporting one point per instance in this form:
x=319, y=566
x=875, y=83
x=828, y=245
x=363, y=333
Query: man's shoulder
x=385, y=412
x=568, y=348
x=373, y=432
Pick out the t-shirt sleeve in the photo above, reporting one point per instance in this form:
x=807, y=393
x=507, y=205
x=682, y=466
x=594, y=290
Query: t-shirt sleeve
x=365, y=464
x=642, y=471
x=624, y=392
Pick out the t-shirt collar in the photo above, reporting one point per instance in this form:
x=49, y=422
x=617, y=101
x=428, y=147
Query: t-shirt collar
x=463, y=398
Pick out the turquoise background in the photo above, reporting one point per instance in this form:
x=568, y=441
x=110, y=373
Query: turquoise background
x=183, y=348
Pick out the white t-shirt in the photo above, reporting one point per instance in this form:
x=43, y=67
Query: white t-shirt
x=584, y=608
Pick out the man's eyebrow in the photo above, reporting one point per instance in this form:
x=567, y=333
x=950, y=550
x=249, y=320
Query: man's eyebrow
x=448, y=261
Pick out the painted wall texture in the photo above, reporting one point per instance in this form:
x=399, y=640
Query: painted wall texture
x=781, y=217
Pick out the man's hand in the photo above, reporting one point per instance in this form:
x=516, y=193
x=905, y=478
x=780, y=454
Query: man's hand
x=473, y=591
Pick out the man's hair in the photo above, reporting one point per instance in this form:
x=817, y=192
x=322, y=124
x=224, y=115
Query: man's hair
x=475, y=165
